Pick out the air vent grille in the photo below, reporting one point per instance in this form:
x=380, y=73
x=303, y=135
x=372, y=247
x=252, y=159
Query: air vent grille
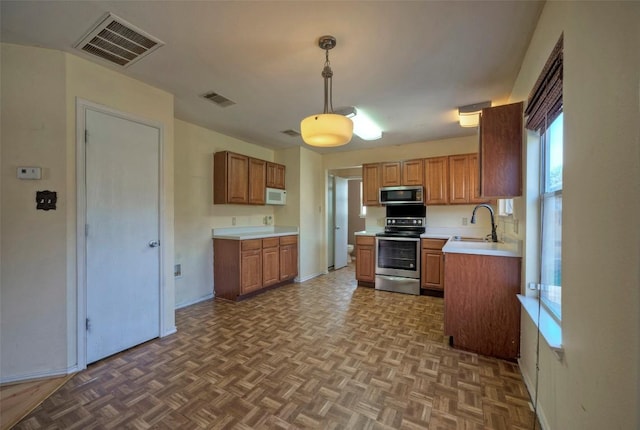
x=115, y=40
x=218, y=99
x=291, y=133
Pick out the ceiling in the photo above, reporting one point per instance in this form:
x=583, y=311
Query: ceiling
x=408, y=64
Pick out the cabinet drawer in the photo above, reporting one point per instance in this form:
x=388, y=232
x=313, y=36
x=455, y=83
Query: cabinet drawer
x=365, y=240
x=433, y=243
x=288, y=240
x=251, y=244
x=270, y=242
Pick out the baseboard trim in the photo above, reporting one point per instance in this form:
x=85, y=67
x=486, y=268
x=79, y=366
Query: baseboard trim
x=306, y=278
x=193, y=302
x=34, y=376
x=531, y=388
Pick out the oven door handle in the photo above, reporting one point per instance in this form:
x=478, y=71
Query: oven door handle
x=407, y=239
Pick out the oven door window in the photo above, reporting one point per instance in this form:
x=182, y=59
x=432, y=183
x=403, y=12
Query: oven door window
x=397, y=254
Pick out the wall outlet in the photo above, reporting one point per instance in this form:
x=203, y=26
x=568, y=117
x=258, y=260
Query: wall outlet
x=515, y=225
x=177, y=271
x=465, y=220
x=29, y=173
x=233, y=220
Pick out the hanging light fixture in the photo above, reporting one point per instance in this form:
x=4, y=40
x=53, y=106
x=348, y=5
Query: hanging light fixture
x=327, y=129
x=469, y=115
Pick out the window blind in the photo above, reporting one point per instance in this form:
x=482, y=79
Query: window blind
x=545, y=101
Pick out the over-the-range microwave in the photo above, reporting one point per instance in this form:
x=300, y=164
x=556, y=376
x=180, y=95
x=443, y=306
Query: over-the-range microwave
x=405, y=195
x=275, y=196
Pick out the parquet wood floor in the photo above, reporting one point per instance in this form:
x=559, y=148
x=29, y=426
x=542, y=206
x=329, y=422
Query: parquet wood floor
x=322, y=354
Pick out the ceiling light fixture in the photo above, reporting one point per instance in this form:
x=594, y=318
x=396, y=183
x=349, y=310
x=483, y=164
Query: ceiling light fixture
x=469, y=115
x=363, y=126
x=327, y=129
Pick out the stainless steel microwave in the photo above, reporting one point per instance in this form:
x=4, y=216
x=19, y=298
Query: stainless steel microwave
x=401, y=195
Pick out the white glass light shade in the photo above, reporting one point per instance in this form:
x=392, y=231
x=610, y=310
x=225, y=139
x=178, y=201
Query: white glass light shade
x=326, y=130
x=469, y=119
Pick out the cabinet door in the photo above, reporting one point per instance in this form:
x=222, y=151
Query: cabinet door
x=501, y=135
x=432, y=269
x=371, y=184
x=474, y=180
x=436, y=180
x=230, y=178
x=365, y=263
x=459, y=179
x=275, y=175
x=412, y=172
x=288, y=257
x=250, y=271
x=257, y=181
x=391, y=174
x=270, y=265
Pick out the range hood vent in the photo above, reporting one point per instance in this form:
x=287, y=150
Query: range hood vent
x=115, y=40
x=218, y=99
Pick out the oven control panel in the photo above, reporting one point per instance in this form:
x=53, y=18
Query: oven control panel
x=405, y=222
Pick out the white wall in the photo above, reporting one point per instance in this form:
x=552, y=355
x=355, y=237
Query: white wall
x=195, y=213
x=38, y=290
x=596, y=386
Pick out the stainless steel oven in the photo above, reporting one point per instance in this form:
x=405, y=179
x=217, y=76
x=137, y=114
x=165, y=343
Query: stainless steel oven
x=398, y=255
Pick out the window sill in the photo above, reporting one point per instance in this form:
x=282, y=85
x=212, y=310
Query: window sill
x=549, y=327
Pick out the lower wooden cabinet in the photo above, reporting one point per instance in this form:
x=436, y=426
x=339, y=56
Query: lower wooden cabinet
x=432, y=269
x=366, y=259
x=482, y=312
x=242, y=267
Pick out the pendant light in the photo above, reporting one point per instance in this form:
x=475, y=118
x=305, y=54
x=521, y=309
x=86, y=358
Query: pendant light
x=327, y=129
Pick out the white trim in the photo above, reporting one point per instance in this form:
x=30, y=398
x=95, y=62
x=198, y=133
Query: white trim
x=306, y=278
x=193, y=302
x=542, y=418
x=82, y=106
x=44, y=374
x=549, y=327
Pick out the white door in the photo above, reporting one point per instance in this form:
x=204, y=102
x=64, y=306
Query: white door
x=341, y=211
x=122, y=235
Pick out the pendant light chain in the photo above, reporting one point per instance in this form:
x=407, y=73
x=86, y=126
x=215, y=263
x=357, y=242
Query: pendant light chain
x=327, y=74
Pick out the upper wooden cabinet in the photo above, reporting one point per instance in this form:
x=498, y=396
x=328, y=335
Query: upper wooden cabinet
x=257, y=178
x=275, y=175
x=436, y=180
x=501, y=134
x=230, y=178
x=371, y=180
x=397, y=173
x=474, y=180
x=463, y=179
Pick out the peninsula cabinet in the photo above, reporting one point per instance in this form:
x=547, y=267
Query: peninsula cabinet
x=501, y=135
x=366, y=260
x=275, y=175
x=244, y=267
x=482, y=312
x=436, y=180
x=432, y=269
x=230, y=178
x=371, y=180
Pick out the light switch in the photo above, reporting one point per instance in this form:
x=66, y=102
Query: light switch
x=29, y=173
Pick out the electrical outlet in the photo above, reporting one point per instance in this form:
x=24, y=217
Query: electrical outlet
x=29, y=173
x=233, y=220
x=465, y=220
x=177, y=271
x=515, y=226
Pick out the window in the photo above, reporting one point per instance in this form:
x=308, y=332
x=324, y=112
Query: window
x=551, y=216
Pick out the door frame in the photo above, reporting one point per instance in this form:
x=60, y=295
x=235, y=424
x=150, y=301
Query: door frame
x=82, y=106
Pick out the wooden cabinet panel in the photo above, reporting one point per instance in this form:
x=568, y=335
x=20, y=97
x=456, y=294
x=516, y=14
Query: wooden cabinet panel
x=371, y=179
x=366, y=258
x=474, y=180
x=250, y=271
x=436, y=180
x=230, y=178
x=501, y=135
x=275, y=175
x=432, y=264
x=270, y=262
x=482, y=312
x=459, y=179
x=288, y=257
x=391, y=174
x=412, y=172
x=257, y=181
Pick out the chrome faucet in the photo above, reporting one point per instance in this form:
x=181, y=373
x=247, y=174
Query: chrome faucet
x=494, y=235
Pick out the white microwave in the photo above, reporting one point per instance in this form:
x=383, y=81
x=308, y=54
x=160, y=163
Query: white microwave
x=275, y=196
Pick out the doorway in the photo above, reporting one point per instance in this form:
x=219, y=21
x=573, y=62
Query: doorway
x=119, y=259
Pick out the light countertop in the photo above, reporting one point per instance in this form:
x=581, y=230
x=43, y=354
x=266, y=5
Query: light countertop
x=259, y=232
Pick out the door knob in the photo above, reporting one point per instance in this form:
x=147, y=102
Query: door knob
x=154, y=244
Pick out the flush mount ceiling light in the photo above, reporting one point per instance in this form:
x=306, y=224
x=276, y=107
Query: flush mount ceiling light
x=470, y=115
x=327, y=129
x=363, y=126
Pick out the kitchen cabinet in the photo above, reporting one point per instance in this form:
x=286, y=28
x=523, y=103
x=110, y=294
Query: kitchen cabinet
x=436, y=180
x=432, y=264
x=482, y=313
x=371, y=180
x=243, y=267
x=463, y=179
x=409, y=172
x=365, y=259
x=275, y=175
x=501, y=135
x=288, y=257
x=257, y=181
x=230, y=178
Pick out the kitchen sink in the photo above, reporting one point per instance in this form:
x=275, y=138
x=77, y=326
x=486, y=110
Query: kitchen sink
x=470, y=239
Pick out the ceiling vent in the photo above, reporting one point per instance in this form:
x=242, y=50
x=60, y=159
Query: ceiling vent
x=218, y=99
x=291, y=133
x=117, y=41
